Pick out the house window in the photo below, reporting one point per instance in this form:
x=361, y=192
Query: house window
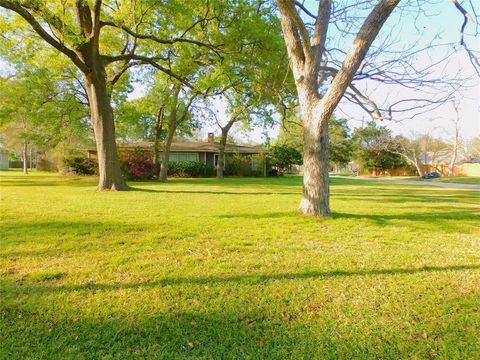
x=183, y=156
x=215, y=160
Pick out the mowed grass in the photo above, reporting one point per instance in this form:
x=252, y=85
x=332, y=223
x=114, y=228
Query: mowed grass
x=458, y=179
x=474, y=180
x=202, y=268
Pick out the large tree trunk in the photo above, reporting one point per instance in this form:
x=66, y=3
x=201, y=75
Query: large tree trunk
x=25, y=158
x=221, y=156
x=166, y=153
x=221, y=149
x=30, y=158
x=156, y=145
x=110, y=176
x=172, y=128
x=316, y=192
x=305, y=53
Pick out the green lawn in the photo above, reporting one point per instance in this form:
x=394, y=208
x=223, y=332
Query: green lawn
x=202, y=268
x=475, y=180
x=458, y=179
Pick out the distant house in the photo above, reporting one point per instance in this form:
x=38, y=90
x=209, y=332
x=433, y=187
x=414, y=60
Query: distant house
x=205, y=152
x=3, y=159
x=440, y=161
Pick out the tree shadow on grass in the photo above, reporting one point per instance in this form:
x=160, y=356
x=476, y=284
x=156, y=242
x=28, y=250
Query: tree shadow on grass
x=267, y=215
x=412, y=197
x=236, y=332
x=435, y=217
x=245, y=279
x=234, y=328
x=211, y=192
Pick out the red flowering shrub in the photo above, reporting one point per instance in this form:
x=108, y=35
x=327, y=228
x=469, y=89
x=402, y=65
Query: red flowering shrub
x=138, y=165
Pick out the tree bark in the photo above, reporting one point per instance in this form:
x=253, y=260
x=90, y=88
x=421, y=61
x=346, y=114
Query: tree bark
x=110, y=176
x=316, y=191
x=221, y=149
x=156, y=145
x=305, y=57
x=172, y=128
x=166, y=151
x=30, y=158
x=25, y=158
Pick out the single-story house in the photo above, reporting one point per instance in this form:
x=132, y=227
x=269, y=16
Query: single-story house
x=4, y=164
x=205, y=152
x=440, y=162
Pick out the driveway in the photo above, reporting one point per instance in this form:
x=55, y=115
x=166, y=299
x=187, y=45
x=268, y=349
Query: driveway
x=416, y=182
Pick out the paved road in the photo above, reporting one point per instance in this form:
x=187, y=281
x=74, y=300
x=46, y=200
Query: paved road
x=416, y=182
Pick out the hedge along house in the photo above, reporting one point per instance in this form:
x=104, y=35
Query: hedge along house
x=243, y=160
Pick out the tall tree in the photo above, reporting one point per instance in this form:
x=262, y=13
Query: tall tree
x=324, y=69
x=409, y=149
x=179, y=112
x=103, y=40
x=305, y=53
x=40, y=111
x=370, y=150
x=254, y=75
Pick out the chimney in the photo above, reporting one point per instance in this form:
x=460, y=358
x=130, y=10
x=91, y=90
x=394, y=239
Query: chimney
x=210, y=137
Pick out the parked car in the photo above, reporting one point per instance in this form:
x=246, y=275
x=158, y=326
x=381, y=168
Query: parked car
x=431, y=175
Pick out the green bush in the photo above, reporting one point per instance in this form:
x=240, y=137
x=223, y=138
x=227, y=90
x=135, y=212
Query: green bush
x=189, y=169
x=238, y=165
x=283, y=157
x=79, y=165
x=241, y=165
x=44, y=164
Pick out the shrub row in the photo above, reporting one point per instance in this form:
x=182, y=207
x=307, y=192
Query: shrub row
x=138, y=166
x=189, y=169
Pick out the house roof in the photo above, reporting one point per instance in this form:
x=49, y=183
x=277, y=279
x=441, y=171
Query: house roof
x=444, y=157
x=472, y=160
x=194, y=147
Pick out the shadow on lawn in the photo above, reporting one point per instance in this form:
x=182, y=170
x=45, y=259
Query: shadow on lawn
x=232, y=327
x=410, y=197
x=212, y=192
x=235, y=332
x=248, y=278
x=435, y=217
